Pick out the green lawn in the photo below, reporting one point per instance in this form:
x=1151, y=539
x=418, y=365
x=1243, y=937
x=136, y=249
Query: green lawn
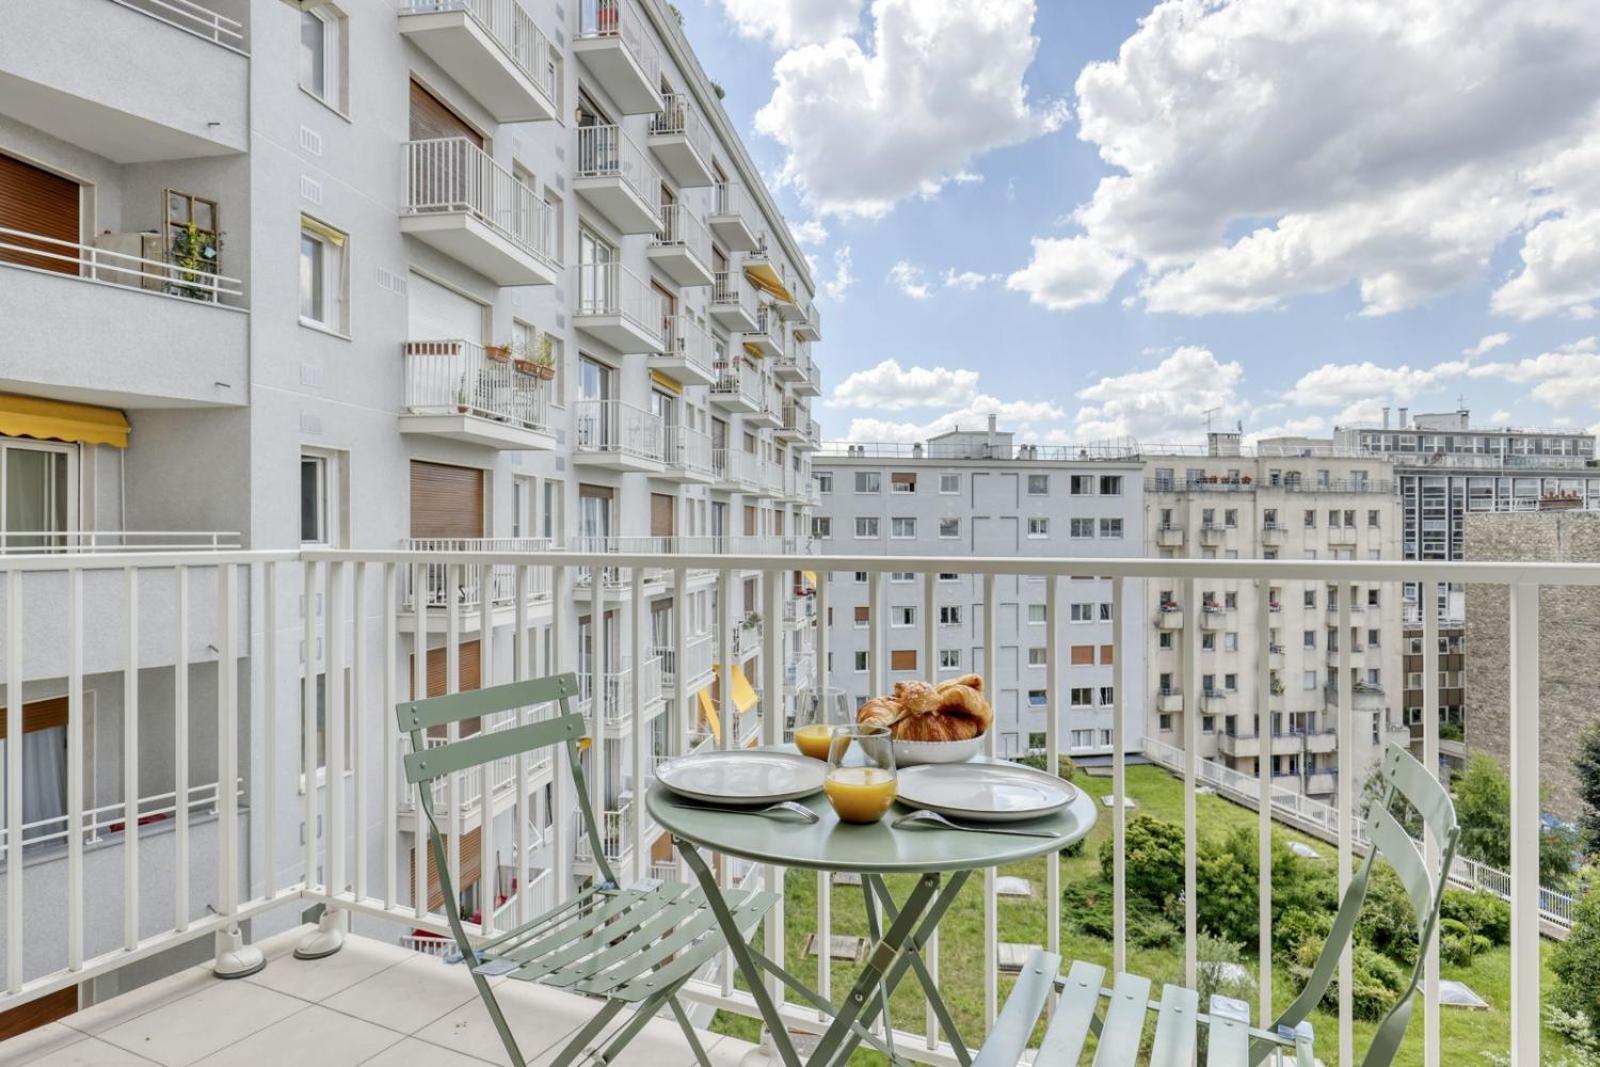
x=1466, y=1034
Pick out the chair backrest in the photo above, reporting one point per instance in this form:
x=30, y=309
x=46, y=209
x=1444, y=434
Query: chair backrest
x=424, y=764
x=1404, y=778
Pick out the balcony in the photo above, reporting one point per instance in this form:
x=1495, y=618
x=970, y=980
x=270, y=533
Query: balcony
x=497, y=781
x=122, y=330
x=793, y=365
x=768, y=415
x=689, y=456
x=615, y=46
x=699, y=654
x=1213, y=536
x=1169, y=537
x=1169, y=617
x=1342, y=535
x=1273, y=535
x=1169, y=702
x=1214, y=617
x=687, y=354
x=737, y=387
x=681, y=141
x=618, y=435
x=82, y=70
x=493, y=49
x=1213, y=702
x=618, y=308
x=810, y=385
x=733, y=301
x=457, y=199
x=809, y=326
x=623, y=692
x=731, y=215
x=737, y=471
x=436, y=588
x=682, y=250
x=794, y=425
x=457, y=390
x=765, y=338
x=616, y=178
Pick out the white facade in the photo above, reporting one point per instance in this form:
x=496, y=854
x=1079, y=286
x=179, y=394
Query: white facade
x=980, y=495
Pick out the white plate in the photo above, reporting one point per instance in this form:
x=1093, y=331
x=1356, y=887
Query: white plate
x=984, y=792
x=743, y=778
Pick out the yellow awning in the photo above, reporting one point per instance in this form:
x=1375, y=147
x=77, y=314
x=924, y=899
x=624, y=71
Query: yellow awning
x=755, y=352
x=57, y=420
x=810, y=576
x=765, y=278
x=667, y=382
x=744, y=694
x=744, y=698
x=708, y=708
x=334, y=237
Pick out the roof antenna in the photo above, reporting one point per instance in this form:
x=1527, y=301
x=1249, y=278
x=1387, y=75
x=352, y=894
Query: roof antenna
x=1209, y=412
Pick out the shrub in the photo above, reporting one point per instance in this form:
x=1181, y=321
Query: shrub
x=1153, y=931
x=1154, y=852
x=1296, y=929
x=1479, y=913
x=1576, y=963
x=1378, y=981
x=1386, y=922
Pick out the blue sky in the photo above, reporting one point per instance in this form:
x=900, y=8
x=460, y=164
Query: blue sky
x=1100, y=218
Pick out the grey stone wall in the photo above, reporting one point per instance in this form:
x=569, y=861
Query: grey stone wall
x=1569, y=645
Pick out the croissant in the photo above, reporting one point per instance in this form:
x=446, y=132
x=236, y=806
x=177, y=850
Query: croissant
x=954, y=710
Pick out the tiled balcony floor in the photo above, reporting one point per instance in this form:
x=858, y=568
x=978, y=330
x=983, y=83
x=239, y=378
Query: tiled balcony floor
x=372, y=1004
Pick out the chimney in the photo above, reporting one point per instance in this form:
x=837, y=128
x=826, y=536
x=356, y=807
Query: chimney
x=1386, y=416
x=1403, y=414
x=990, y=444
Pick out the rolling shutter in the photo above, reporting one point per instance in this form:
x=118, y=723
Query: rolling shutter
x=660, y=515
x=446, y=501
x=431, y=119
x=37, y=202
x=471, y=867
x=436, y=313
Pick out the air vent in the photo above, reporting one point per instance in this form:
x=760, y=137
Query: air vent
x=310, y=375
x=310, y=141
x=310, y=423
x=391, y=281
x=310, y=189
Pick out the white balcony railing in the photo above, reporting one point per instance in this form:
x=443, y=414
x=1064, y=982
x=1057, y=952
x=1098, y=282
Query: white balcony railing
x=617, y=19
x=689, y=450
x=608, y=152
x=679, y=117
x=464, y=586
x=682, y=228
x=191, y=17
x=340, y=610
x=460, y=377
x=611, y=289
x=76, y=542
x=738, y=380
x=729, y=198
x=170, y=275
x=452, y=175
x=497, y=780
x=509, y=25
x=691, y=342
x=620, y=428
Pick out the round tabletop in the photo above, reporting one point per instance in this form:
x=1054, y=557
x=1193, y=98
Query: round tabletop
x=831, y=845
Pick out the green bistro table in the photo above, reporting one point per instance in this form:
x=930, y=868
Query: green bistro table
x=943, y=859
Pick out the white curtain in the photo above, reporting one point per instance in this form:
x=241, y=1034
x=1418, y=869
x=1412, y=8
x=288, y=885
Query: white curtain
x=44, y=781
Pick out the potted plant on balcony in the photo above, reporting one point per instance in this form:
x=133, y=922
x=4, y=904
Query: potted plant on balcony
x=195, y=253
x=500, y=353
x=544, y=359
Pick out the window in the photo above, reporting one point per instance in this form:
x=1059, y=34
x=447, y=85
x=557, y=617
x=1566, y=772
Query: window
x=1111, y=485
x=902, y=528
x=1309, y=598
x=1037, y=698
x=903, y=659
x=322, y=55
x=949, y=528
x=950, y=615
x=1036, y=614
x=861, y=662
x=822, y=527
x=903, y=482
x=1308, y=681
x=950, y=658
x=866, y=526
x=1372, y=518
x=825, y=481
x=903, y=616
x=863, y=616
x=859, y=577
x=1111, y=528
x=323, y=282
x=1082, y=484
x=1082, y=696
x=1038, y=485
x=1038, y=527
x=949, y=483
x=1036, y=656
x=901, y=577
x=1082, y=528
x=1081, y=612
x=1309, y=639
x=1230, y=518
x=321, y=727
x=869, y=482
x=38, y=492
x=1164, y=722
x=1311, y=519
x=1108, y=695
x=946, y=576
x=317, y=494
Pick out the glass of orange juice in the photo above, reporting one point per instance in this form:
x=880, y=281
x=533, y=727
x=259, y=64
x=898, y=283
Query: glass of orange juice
x=862, y=789
x=816, y=718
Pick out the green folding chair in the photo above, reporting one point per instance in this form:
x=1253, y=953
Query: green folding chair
x=633, y=946
x=1233, y=1041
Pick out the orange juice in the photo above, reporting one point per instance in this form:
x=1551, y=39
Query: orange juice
x=860, y=794
x=813, y=740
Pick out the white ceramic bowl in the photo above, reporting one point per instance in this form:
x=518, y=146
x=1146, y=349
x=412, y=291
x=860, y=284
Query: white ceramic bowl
x=914, y=753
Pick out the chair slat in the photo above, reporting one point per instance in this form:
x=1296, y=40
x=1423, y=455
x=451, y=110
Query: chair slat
x=1400, y=850
x=1069, y=1029
x=1424, y=791
x=1012, y=1027
x=1119, y=1036
x=437, y=711
x=483, y=748
x=1228, y=1043
x=595, y=954
x=687, y=962
x=574, y=930
x=1177, y=1027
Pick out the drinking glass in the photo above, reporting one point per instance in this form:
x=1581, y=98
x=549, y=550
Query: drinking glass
x=862, y=790
x=815, y=719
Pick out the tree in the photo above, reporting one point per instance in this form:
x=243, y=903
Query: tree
x=1154, y=852
x=1483, y=807
x=1587, y=766
x=1576, y=962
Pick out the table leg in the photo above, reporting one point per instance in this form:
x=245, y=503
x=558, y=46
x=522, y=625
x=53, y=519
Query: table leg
x=776, y=1030
x=876, y=931
x=941, y=1012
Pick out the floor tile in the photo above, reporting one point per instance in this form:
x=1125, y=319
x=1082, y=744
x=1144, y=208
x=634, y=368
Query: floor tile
x=313, y=1036
x=28, y=1047
x=98, y=1018
x=410, y=1052
x=541, y=1020
x=90, y=1052
x=192, y=1028
x=317, y=980
x=408, y=996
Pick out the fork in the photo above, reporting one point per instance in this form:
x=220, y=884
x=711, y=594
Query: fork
x=789, y=806
x=924, y=815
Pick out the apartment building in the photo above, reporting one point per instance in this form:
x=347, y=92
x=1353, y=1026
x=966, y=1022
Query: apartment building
x=981, y=493
x=443, y=274
x=1448, y=470
x=1286, y=499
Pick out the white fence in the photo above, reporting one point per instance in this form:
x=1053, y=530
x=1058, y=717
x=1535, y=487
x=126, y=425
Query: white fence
x=452, y=175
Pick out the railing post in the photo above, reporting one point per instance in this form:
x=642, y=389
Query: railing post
x=1191, y=758
x=328, y=937
x=1525, y=827
x=634, y=709
x=773, y=637
x=75, y=916
x=130, y=765
x=1346, y=797
x=1428, y=599
x=390, y=740
x=991, y=911
x=234, y=959
x=180, y=746
x=1119, y=782
x=1264, y=756
x=15, y=930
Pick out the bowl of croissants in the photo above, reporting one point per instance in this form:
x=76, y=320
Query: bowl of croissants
x=932, y=722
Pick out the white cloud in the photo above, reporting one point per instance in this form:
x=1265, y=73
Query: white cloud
x=835, y=288
x=891, y=387
x=1486, y=344
x=1068, y=272
x=908, y=279
x=967, y=279
x=1567, y=377
x=1265, y=149
x=1500, y=418
x=1344, y=384
x=787, y=23
x=1165, y=402
x=940, y=84
x=809, y=232
x=1016, y=415
x=1308, y=426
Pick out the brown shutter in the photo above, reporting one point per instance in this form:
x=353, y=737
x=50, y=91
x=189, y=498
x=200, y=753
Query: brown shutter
x=660, y=515
x=1106, y=654
x=863, y=614
x=469, y=675
x=471, y=867
x=431, y=118
x=39, y=715
x=446, y=501
x=36, y=201
x=1082, y=655
x=903, y=659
